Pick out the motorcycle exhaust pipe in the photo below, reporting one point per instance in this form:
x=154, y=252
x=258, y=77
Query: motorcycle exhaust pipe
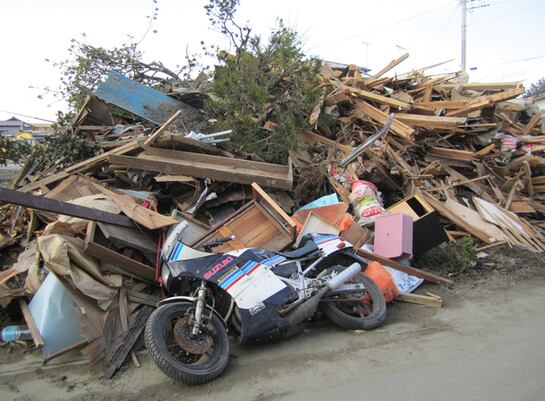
x=307, y=309
x=343, y=276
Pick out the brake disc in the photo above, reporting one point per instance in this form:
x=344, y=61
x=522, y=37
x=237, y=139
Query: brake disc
x=192, y=344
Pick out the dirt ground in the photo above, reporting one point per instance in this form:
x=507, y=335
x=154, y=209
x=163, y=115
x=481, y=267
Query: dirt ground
x=486, y=343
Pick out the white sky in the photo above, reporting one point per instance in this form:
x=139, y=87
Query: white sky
x=501, y=36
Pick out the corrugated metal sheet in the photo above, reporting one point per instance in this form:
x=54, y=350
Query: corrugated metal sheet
x=143, y=100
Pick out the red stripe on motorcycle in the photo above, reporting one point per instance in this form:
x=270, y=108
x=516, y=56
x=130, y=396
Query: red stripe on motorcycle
x=234, y=282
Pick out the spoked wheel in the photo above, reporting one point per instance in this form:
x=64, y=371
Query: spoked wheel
x=365, y=309
x=179, y=354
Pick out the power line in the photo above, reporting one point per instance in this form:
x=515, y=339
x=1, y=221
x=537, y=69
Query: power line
x=523, y=59
x=509, y=14
x=27, y=116
x=387, y=26
x=439, y=37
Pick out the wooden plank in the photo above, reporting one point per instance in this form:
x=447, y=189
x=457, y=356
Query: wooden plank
x=479, y=191
x=316, y=138
x=213, y=167
x=65, y=208
x=432, y=278
x=474, y=219
x=82, y=167
x=458, y=220
x=375, y=97
x=481, y=86
x=144, y=299
x=34, y=332
x=263, y=198
x=431, y=122
x=505, y=95
x=531, y=124
x=129, y=266
x=470, y=108
x=431, y=301
x=445, y=104
x=452, y=153
x=392, y=64
x=129, y=340
x=146, y=217
x=363, y=109
x=163, y=127
x=173, y=178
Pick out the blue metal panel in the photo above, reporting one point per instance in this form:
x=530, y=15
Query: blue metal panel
x=139, y=99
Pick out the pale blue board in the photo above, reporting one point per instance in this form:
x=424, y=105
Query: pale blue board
x=140, y=99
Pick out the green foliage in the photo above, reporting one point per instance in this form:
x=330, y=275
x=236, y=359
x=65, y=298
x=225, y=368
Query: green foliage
x=536, y=88
x=62, y=148
x=272, y=81
x=451, y=259
x=88, y=65
x=12, y=150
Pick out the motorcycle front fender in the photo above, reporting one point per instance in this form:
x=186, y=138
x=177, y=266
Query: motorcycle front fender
x=191, y=300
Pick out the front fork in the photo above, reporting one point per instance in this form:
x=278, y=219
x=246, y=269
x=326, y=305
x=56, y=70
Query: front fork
x=199, y=308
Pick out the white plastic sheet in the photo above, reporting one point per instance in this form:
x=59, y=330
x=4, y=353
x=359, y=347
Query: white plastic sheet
x=56, y=316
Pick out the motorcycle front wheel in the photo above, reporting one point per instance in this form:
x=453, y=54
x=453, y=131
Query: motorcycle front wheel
x=186, y=358
x=362, y=310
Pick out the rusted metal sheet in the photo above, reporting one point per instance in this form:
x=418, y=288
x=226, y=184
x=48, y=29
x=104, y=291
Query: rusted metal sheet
x=143, y=100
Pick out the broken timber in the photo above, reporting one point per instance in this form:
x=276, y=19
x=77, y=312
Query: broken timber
x=68, y=209
x=173, y=162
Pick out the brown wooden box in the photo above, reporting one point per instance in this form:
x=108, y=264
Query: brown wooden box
x=259, y=223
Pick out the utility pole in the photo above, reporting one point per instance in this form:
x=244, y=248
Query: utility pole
x=464, y=26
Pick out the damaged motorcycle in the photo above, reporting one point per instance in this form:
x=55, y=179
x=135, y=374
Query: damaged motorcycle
x=254, y=295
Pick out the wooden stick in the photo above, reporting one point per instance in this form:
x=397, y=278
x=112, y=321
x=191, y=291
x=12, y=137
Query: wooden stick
x=390, y=65
x=163, y=127
x=432, y=278
x=36, y=336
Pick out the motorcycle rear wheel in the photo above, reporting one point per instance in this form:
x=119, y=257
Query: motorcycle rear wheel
x=364, y=310
x=210, y=354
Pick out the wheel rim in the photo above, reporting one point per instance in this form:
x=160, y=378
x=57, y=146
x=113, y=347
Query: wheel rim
x=203, y=355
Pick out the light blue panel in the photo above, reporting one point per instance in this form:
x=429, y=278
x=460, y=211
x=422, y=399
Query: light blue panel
x=140, y=99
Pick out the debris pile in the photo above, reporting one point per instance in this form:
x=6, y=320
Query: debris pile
x=427, y=158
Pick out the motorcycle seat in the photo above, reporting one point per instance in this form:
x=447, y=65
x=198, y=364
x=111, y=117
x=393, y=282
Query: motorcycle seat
x=305, y=249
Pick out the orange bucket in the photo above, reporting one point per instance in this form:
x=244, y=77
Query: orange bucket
x=383, y=279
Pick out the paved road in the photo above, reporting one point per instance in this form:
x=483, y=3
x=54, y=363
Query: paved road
x=487, y=343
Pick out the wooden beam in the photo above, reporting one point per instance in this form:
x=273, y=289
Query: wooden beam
x=531, y=124
x=65, y=208
x=363, y=109
x=163, y=127
x=391, y=64
x=431, y=122
x=432, y=278
x=172, y=162
x=478, y=86
x=313, y=138
x=375, y=97
x=144, y=216
x=431, y=301
x=34, y=332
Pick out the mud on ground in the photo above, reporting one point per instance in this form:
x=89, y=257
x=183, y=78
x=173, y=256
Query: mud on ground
x=324, y=358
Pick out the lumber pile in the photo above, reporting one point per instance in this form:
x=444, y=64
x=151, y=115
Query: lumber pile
x=469, y=148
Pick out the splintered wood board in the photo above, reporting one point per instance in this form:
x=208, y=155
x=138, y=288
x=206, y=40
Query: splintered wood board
x=259, y=223
x=173, y=162
x=474, y=219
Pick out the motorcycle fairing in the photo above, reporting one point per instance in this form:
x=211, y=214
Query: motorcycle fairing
x=329, y=243
x=258, y=293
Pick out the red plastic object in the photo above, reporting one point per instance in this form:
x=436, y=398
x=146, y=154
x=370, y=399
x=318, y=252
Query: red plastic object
x=383, y=279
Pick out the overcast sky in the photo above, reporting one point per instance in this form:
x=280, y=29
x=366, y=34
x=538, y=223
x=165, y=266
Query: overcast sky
x=506, y=38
